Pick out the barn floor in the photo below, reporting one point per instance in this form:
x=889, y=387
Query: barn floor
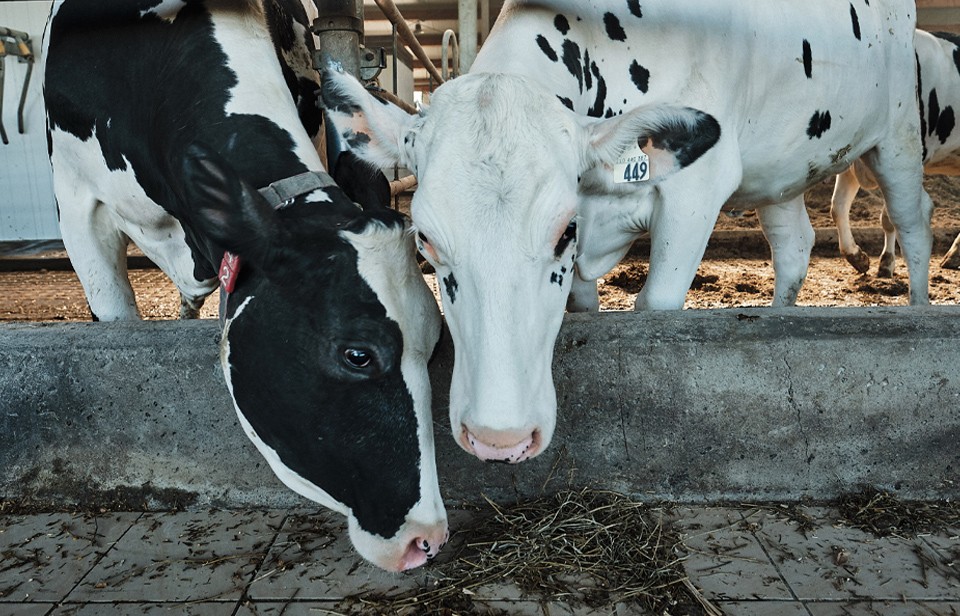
x=746, y=561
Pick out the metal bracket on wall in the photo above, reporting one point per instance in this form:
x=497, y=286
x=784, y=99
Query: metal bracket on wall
x=15, y=43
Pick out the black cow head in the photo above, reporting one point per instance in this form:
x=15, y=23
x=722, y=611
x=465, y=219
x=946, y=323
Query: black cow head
x=325, y=344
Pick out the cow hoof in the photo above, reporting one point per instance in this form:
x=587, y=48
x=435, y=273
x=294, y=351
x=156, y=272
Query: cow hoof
x=887, y=265
x=951, y=261
x=860, y=261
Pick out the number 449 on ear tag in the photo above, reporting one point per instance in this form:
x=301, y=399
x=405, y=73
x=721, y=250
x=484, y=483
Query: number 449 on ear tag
x=632, y=166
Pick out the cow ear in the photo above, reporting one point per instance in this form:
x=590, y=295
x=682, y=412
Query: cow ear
x=223, y=207
x=673, y=137
x=378, y=132
x=362, y=182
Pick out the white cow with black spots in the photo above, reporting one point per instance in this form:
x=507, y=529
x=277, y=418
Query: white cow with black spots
x=529, y=165
x=938, y=63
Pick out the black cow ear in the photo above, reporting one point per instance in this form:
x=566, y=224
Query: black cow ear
x=223, y=207
x=362, y=182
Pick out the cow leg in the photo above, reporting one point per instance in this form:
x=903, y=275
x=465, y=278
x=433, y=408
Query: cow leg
x=166, y=246
x=679, y=233
x=583, y=295
x=909, y=208
x=790, y=235
x=952, y=258
x=98, y=252
x=888, y=258
x=844, y=192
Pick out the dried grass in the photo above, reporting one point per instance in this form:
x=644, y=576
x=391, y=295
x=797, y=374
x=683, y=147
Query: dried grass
x=884, y=515
x=584, y=548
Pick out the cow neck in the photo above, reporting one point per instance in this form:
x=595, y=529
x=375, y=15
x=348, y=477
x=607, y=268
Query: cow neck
x=278, y=194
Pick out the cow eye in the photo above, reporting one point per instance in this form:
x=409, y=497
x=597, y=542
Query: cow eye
x=569, y=234
x=358, y=358
x=422, y=239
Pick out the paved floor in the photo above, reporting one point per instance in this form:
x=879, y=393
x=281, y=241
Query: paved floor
x=748, y=562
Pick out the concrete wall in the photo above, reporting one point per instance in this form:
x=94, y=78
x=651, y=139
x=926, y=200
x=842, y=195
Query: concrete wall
x=692, y=406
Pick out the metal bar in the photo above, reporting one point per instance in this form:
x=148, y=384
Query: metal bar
x=403, y=185
x=468, y=33
x=392, y=13
x=450, y=38
x=23, y=95
x=390, y=97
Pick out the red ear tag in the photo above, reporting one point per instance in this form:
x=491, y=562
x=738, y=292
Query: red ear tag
x=229, y=268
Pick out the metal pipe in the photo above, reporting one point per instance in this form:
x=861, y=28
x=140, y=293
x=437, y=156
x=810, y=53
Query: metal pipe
x=339, y=30
x=390, y=97
x=391, y=12
x=467, y=11
x=450, y=39
x=398, y=187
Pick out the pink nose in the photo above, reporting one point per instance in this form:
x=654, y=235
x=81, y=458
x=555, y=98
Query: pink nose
x=491, y=446
x=422, y=548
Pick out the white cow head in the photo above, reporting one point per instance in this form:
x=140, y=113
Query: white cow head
x=498, y=162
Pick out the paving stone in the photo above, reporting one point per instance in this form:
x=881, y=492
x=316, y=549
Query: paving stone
x=146, y=609
x=724, y=559
x=312, y=559
x=762, y=608
x=882, y=608
x=25, y=609
x=844, y=563
x=44, y=556
x=189, y=556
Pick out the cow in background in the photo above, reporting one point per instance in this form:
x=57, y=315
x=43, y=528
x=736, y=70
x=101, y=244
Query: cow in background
x=938, y=67
x=583, y=124
x=173, y=125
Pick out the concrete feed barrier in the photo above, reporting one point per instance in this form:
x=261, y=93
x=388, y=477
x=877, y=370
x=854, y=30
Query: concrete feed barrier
x=692, y=406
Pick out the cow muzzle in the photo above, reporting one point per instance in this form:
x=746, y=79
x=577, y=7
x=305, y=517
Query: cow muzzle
x=508, y=446
x=412, y=547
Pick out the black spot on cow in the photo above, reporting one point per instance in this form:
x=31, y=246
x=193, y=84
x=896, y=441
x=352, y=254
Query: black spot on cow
x=356, y=140
x=601, y=100
x=614, y=29
x=609, y=113
x=634, y=6
x=545, y=47
x=452, y=286
x=819, y=124
x=923, y=118
x=940, y=122
x=562, y=24
x=571, y=59
x=946, y=124
x=856, y=22
x=807, y=59
x=688, y=143
x=587, y=73
x=556, y=279
x=640, y=76
x=566, y=102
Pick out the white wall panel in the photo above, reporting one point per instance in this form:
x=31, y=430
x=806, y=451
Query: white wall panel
x=27, y=207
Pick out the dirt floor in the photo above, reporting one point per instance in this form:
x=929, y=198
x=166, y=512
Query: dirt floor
x=728, y=282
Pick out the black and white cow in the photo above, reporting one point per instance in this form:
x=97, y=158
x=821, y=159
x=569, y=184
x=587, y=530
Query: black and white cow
x=938, y=66
x=173, y=124
x=531, y=165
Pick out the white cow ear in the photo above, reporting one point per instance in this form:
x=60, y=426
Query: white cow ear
x=378, y=132
x=673, y=137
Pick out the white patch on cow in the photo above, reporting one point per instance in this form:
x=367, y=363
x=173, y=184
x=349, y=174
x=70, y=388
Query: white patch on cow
x=289, y=477
x=261, y=89
x=166, y=10
x=386, y=262
x=100, y=211
x=320, y=195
